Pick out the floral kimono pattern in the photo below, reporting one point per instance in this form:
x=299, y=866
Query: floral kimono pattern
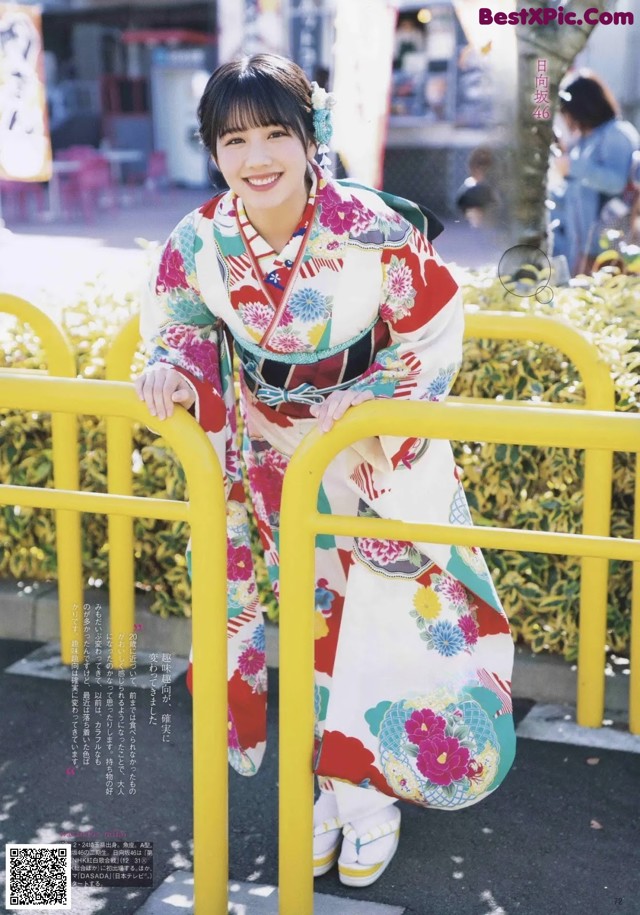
x=413, y=652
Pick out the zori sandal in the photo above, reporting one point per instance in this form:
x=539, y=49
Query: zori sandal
x=326, y=845
x=368, y=847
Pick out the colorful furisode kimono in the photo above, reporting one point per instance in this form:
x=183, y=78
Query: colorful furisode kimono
x=413, y=652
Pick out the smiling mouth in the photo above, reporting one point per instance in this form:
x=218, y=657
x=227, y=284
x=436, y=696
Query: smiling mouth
x=265, y=181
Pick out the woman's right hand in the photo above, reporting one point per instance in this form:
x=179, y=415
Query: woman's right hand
x=160, y=387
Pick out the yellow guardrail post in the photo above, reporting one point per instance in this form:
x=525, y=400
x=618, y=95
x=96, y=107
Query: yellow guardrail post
x=598, y=483
x=206, y=514
x=120, y=480
x=301, y=523
x=64, y=446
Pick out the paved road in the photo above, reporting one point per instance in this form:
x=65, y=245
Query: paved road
x=529, y=849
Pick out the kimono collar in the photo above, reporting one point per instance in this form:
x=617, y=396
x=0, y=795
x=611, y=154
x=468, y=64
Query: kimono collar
x=261, y=248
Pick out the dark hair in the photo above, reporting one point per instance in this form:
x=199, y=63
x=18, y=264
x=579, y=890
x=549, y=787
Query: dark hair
x=256, y=91
x=481, y=158
x=588, y=100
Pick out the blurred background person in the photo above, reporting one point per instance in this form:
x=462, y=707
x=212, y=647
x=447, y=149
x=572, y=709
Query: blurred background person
x=591, y=168
x=476, y=197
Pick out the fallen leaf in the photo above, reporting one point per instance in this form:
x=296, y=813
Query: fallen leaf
x=596, y=825
x=593, y=760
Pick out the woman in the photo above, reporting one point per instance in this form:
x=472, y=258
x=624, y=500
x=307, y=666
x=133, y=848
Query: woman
x=595, y=169
x=333, y=298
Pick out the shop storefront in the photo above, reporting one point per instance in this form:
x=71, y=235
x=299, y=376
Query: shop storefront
x=442, y=105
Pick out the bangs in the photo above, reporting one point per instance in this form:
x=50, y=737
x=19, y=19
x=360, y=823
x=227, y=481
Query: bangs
x=260, y=91
x=251, y=103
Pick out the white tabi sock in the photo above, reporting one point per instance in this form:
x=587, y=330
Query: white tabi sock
x=366, y=828
x=325, y=810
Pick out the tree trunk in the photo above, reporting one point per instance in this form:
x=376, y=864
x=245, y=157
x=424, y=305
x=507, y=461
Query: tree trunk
x=558, y=46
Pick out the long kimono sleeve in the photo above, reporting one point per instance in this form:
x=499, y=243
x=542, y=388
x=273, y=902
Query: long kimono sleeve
x=179, y=330
x=422, y=305
x=176, y=326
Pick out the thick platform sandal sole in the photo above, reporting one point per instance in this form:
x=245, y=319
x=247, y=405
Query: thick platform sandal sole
x=366, y=874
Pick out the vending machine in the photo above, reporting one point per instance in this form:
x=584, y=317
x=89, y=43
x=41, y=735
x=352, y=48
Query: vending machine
x=178, y=77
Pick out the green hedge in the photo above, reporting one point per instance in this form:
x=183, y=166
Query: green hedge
x=513, y=486
x=541, y=488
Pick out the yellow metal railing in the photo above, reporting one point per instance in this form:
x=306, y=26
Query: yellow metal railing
x=206, y=515
x=598, y=477
x=598, y=472
x=120, y=480
x=598, y=484
x=501, y=423
x=301, y=523
x=64, y=445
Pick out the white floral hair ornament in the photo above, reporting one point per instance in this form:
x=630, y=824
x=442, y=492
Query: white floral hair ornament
x=322, y=102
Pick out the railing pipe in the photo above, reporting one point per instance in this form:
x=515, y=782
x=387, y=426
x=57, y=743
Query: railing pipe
x=598, y=485
x=120, y=480
x=206, y=514
x=64, y=450
x=300, y=523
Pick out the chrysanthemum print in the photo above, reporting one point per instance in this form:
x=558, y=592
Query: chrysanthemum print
x=399, y=293
x=309, y=306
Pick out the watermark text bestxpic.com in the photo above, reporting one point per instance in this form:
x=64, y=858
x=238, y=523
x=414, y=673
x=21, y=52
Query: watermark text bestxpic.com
x=550, y=15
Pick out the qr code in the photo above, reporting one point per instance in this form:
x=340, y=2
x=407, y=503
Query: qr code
x=38, y=876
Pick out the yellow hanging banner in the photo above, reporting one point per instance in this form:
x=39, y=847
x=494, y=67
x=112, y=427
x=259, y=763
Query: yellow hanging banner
x=25, y=145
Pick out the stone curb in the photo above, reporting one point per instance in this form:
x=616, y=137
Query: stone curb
x=29, y=612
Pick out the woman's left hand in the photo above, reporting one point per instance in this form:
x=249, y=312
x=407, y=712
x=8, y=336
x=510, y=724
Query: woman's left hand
x=336, y=405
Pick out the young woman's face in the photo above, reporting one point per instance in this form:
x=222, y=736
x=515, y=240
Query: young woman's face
x=265, y=166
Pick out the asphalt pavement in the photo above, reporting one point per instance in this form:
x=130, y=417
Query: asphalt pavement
x=559, y=837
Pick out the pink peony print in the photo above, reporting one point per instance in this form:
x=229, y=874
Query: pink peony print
x=341, y=216
x=199, y=356
x=251, y=662
x=335, y=214
x=267, y=482
x=176, y=334
x=364, y=219
x=239, y=563
x=382, y=551
x=443, y=760
x=276, y=461
x=469, y=629
x=205, y=354
x=423, y=725
x=171, y=273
